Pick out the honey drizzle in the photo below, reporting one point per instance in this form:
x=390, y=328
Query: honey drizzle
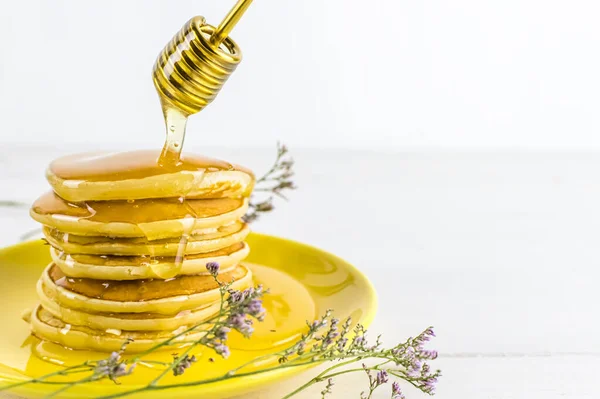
x=175, y=121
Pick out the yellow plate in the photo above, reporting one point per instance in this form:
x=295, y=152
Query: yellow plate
x=304, y=282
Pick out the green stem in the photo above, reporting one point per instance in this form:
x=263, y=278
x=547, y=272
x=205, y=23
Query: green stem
x=226, y=376
x=318, y=378
x=71, y=385
x=325, y=377
x=68, y=370
x=405, y=378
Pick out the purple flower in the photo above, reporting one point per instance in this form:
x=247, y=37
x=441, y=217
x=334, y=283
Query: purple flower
x=301, y=347
x=247, y=293
x=222, y=350
x=240, y=323
x=381, y=377
x=235, y=296
x=427, y=354
x=396, y=392
x=429, y=384
x=183, y=364
x=213, y=268
x=318, y=324
x=112, y=367
x=255, y=308
x=222, y=332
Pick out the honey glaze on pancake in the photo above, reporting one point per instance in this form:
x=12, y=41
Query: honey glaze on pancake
x=100, y=166
x=135, y=212
x=47, y=318
x=142, y=290
x=218, y=232
x=110, y=260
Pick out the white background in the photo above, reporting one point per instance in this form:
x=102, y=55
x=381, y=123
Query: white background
x=350, y=73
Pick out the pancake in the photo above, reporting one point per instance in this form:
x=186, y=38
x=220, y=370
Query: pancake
x=108, y=267
x=141, y=290
x=221, y=237
x=129, y=321
x=138, y=296
x=159, y=218
x=47, y=327
x=137, y=175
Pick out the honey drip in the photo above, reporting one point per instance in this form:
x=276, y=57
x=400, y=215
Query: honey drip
x=176, y=122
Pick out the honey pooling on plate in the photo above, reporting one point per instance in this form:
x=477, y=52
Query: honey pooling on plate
x=131, y=233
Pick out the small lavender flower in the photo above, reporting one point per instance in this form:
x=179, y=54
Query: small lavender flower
x=396, y=392
x=234, y=297
x=255, y=308
x=341, y=344
x=213, y=268
x=222, y=333
x=428, y=354
x=318, y=324
x=240, y=323
x=300, y=348
x=331, y=334
x=429, y=384
x=381, y=378
x=184, y=364
x=222, y=350
x=113, y=368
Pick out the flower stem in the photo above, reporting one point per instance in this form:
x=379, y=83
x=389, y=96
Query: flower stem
x=68, y=370
x=316, y=379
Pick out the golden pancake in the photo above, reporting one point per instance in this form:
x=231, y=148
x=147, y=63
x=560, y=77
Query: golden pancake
x=129, y=321
x=137, y=175
x=221, y=237
x=162, y=218
x=47, y=327
x=93, y=297
x=141, y=290
x=108, y=267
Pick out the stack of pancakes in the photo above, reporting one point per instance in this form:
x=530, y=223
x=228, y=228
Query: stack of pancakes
x=130, y=240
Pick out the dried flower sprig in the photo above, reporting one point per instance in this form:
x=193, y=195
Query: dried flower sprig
x=276, y=181
x=405, y=361
x=326, y=340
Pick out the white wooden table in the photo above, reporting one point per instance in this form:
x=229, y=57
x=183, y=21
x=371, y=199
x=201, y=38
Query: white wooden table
x=498, y=251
